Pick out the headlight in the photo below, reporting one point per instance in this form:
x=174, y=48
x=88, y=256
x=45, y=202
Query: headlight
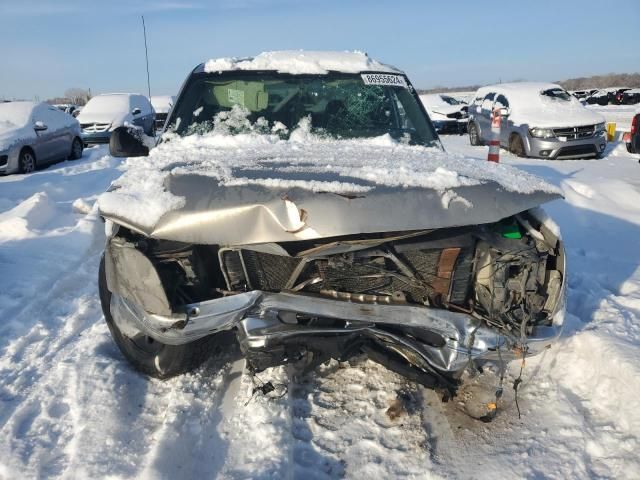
x=541, y=133
x=600, y=127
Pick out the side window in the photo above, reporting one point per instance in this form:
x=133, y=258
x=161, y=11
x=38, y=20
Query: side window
x=134, y=102
x=143, y=104
x=502, y=102
x=36, y=114
x=487, y=103
x=50, y=116
x=403, y=119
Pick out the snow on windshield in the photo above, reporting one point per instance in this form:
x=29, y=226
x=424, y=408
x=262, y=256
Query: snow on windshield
x=14, y=115
x=305, y=161
x=110, y=104
x=299, y=62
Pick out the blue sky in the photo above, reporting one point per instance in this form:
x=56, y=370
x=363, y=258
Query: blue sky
x=49, y=46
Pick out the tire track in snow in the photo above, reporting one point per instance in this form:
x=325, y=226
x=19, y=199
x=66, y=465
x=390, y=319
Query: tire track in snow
x=35, y=378
x=341, y=428
x=188, y=443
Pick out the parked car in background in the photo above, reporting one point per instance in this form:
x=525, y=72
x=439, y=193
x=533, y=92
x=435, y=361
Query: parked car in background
x=67, y=108
x=33, y=134
x=582, y=94
x=447, y=114
x=617, y=96
x=631, y=97
x=632, y=140
x=104, y=113
x=599, y=97
x=607, y=96
x=162, y=105
x=538, y=120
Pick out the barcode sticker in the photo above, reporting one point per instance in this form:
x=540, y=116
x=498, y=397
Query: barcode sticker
x=384, y=79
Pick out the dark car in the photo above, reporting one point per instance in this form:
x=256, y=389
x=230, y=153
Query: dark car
x=617, y=97
x=633, y=139
x=599, y=97
x=631, y=97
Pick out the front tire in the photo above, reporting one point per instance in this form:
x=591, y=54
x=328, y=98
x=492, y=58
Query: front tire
x=26, y=161
x=474, y=136
x=76, y=149
x=516, y=146
x=149, y=356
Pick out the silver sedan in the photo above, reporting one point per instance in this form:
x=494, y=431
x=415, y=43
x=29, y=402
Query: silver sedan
x=33, y=134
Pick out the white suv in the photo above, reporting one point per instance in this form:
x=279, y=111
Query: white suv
x=538, y=120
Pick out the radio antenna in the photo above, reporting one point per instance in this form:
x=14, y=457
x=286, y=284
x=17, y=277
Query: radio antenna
x=146, y=54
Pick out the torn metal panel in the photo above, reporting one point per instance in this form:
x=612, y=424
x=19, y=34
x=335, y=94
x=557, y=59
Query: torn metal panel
x=132, y=275
x=253, y=214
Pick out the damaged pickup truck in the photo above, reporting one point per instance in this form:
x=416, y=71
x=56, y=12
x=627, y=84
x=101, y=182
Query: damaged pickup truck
x=304, y=201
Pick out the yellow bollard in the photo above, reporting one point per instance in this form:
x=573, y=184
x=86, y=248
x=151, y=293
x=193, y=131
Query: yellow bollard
x=611, y=131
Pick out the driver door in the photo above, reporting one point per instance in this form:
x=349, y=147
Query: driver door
x=44, y=145
x=502, y=102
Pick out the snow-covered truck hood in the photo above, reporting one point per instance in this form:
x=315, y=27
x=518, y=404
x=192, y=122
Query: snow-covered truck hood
x=248, y=189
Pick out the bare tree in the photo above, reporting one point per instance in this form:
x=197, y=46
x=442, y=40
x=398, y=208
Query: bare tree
x=77, y=96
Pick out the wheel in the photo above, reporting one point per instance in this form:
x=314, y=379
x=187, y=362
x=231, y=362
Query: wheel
x=630, y=148
x=474, y=136
x=149, y=356
x=516, y=146
x=76, y=149
x=26, y=161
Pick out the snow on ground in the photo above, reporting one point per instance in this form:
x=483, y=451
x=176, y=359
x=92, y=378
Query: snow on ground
x=621, y=115
x=71, y=407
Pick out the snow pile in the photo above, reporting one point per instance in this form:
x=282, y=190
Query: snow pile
x=26, y=219
x=304, y=161
x=301, y=62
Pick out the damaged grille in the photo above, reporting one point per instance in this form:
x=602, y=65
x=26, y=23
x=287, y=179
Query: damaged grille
x=509, y=279
x=424, y=276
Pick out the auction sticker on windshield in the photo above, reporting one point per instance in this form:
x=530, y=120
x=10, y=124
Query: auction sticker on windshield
x=384, y=79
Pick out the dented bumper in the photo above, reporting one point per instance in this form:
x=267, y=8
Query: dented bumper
x=264, y=318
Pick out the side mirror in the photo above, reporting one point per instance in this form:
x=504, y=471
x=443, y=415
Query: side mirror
x=39, y=126
x=127, y=142
x=136, y=111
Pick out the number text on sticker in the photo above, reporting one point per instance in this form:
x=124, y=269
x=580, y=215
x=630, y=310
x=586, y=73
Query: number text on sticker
x=384, y=79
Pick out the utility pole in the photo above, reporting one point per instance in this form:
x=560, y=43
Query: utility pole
x=146, y=54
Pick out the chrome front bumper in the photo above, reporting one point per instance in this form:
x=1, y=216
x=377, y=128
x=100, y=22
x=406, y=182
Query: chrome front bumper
x=558, y=149
x=259, y=318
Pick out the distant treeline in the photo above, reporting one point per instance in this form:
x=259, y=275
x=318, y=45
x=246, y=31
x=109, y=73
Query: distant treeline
x=631, y=80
